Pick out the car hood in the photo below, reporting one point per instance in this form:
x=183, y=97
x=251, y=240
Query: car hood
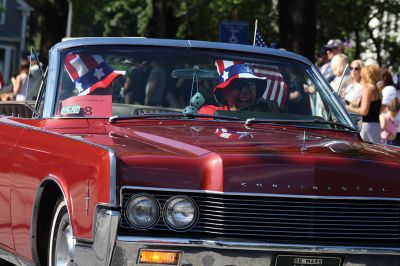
x=261, y=159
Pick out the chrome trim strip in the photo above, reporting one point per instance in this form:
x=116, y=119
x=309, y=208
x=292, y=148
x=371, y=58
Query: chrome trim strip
x=334, y=98
x=113, y=177
x=8, y=256
x=51, y=85
x=89, y=41
x=252, y=194
x=98, y=252
x=221, y=244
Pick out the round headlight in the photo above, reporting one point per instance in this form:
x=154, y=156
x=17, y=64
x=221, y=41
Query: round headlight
x=142, y=211
x=180, y=213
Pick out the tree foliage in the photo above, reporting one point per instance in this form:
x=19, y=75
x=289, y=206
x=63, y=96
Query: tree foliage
x=357, y=21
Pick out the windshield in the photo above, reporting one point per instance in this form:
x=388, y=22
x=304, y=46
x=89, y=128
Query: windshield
x=125, y=81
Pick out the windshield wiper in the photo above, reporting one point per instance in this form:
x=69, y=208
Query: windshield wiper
x=294, y=121
x=115, y=118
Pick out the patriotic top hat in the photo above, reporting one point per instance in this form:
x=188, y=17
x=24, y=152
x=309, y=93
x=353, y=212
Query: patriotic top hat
x=230, y=70
x=89, y=72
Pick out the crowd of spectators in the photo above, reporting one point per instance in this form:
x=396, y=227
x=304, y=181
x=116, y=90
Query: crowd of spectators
x=367, y=90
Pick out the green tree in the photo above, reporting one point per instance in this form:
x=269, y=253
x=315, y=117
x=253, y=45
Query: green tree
x=51, y=21
x=297, y=26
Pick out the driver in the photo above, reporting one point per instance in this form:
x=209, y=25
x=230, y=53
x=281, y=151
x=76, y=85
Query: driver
x=236, y=89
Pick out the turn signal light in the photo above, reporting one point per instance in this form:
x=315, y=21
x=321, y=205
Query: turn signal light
x=159, y=257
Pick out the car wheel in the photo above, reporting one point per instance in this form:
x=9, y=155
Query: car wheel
x=61, y=242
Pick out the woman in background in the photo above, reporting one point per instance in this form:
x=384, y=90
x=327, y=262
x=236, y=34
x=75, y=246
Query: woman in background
x=20, y=85
x=370, y=105
x=338, y=65
x=387, y=88
x=353, y=90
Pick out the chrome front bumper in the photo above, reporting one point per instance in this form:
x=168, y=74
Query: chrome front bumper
x=224, y=253
x=107, y=248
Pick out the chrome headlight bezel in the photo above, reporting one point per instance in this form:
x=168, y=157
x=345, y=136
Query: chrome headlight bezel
x=169, y=204
x=137, y=198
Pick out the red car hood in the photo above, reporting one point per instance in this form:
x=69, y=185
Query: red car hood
x=262, y=159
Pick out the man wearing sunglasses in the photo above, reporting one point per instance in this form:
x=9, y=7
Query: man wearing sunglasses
x=333, y=47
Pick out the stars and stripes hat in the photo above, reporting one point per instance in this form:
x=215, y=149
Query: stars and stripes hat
x=89, y=72
x=230, y=70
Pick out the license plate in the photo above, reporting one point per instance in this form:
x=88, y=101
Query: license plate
x=293, y=260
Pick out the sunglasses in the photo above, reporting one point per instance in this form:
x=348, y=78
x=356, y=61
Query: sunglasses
x=355, y=68
x=238, y=84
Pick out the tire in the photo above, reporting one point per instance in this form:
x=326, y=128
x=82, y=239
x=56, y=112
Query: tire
x=61, y=242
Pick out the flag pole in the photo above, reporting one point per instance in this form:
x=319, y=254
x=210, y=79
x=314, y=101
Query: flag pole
x=255, y=32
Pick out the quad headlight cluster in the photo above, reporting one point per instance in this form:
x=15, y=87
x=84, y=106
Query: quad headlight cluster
x=143, y=211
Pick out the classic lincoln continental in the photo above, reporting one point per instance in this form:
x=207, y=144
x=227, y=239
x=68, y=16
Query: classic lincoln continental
x=174, y=152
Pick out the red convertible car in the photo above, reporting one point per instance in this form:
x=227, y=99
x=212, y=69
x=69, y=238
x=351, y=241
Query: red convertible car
x=175, y=152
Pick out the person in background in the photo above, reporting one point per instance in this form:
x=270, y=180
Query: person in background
x=20, y=85
x=353, y=90
x=135, y=84
x=321, y=58
x=370, y=105
x=386, y=86
x=389, y=123
x=338, y=65
x=333, y=47
x=156, y=83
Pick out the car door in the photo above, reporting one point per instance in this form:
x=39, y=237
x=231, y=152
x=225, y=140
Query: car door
x=8, y=138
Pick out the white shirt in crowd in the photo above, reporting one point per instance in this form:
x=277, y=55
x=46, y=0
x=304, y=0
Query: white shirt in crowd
x=388, y=94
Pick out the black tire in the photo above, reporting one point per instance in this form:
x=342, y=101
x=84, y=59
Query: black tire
x=61, y=241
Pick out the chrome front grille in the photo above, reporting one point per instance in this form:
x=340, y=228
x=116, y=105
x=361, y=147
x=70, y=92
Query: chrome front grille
x=270, y=218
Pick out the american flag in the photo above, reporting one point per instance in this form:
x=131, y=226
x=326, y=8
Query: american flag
x=259, y=40
x=276, y=88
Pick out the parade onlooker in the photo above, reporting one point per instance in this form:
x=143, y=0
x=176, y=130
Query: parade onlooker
x=321, y=58
x=353, y=90
x=386, y=85
x=20, y=85
x=370, y=105
x=338, y=65
x=156, y=83
x=135, y=84
x=389, y=123
x=333, y=47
